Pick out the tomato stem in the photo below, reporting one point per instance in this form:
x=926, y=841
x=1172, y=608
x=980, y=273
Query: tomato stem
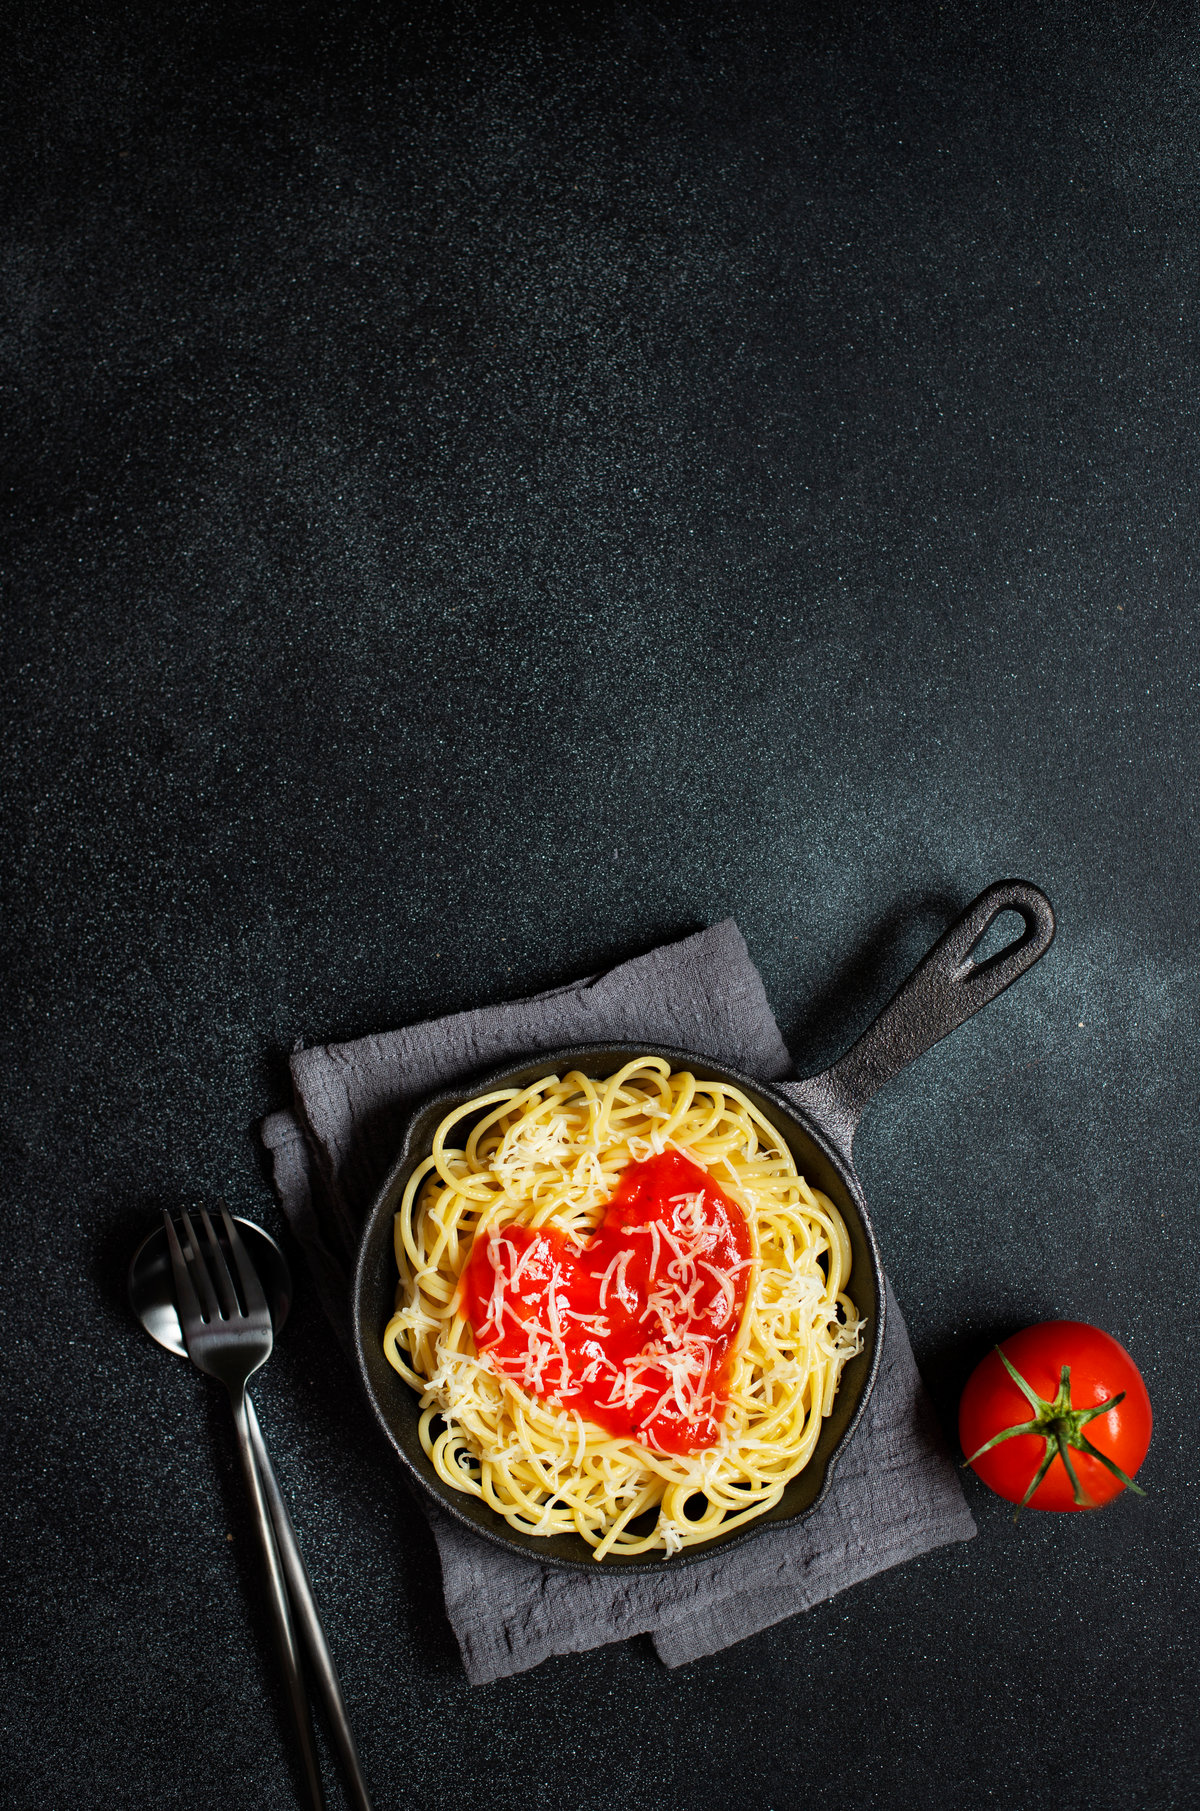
x=1064, y=1453
x=1061, y=1427
x=1112, y=1465
x=1036, y=1479
x=1008, y=1433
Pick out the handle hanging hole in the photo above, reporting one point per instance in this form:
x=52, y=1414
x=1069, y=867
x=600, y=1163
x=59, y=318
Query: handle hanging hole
x=1006, y=929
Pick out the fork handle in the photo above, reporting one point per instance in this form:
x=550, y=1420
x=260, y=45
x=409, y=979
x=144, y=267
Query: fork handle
x=304, y=1608
x=280, y=1615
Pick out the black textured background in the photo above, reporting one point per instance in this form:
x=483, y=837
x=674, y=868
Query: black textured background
x=486, y=492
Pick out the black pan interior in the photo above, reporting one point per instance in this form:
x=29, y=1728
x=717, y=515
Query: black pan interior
x=396, y=1404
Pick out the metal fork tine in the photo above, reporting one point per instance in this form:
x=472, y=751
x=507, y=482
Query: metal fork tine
x=233, y=1308
x=189, y=1304
x=252, y=1289
x=208, y=1295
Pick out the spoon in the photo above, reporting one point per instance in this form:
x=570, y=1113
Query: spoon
x=152, y=1298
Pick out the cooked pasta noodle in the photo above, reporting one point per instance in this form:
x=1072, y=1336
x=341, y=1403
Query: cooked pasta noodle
x=546, y=1160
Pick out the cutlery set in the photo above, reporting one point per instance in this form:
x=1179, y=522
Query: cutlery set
x=222, y=1319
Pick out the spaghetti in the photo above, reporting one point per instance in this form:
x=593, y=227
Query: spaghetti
x=624, y=1309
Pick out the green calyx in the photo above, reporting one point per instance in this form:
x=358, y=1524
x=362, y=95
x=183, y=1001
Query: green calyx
x=1061, y=1427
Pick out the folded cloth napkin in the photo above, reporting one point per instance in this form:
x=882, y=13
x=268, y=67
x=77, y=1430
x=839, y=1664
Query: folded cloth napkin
x=894, y=1492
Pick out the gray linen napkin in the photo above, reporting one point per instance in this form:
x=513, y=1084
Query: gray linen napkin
x=894, y=1492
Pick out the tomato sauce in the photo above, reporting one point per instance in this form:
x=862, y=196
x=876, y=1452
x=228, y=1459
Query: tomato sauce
x=634, y=1328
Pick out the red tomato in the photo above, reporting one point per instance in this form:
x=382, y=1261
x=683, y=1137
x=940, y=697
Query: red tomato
x=1071, y=1371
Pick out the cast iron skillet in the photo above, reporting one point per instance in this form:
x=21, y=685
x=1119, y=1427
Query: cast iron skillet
x=817, y=1117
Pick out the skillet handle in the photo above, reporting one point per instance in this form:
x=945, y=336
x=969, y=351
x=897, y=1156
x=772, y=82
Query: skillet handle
x=942, y=992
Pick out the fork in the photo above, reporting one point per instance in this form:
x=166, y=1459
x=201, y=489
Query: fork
x=229, y=1342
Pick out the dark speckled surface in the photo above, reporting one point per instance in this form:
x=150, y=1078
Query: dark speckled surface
x=484, y=496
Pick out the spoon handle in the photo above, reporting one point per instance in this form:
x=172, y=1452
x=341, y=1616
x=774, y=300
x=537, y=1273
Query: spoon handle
x=277, y=1592
x=308, y=1617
